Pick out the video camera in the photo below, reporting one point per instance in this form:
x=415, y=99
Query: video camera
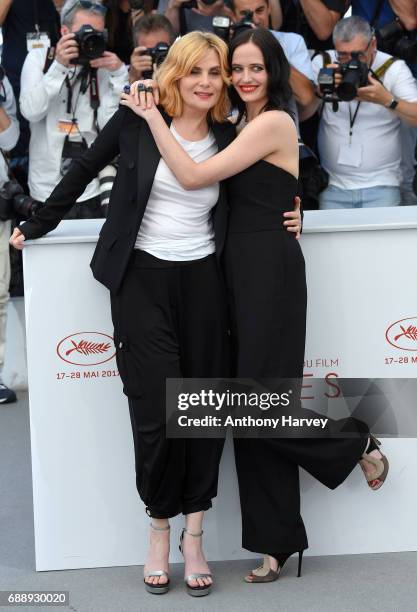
x=158, y=54
x=393, y=39
x=91, y=44
x=354, y=75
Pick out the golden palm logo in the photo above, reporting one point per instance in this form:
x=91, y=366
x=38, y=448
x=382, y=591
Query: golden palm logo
x=410, y=332
x=86, y=348
x=403, y=334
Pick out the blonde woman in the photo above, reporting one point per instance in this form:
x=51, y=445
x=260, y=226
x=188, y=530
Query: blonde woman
x=158, y=255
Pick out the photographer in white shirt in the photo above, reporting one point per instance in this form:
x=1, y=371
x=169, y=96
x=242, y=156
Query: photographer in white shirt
x=67, y=103
x=360, y=144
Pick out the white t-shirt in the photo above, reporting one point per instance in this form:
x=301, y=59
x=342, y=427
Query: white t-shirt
x=372, y=158
x=177, y=223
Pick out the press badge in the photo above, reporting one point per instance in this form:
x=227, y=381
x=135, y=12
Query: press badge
x=67, y=126
x=350, y=155
x=37, y=40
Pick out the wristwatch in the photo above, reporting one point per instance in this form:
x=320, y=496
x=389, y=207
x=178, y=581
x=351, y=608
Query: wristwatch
x=392, y=105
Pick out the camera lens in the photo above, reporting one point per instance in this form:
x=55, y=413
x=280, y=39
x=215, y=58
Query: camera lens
x=93, y=46
x=25, y=206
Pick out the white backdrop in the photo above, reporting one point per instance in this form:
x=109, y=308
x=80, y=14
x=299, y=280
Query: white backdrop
x=86, y=509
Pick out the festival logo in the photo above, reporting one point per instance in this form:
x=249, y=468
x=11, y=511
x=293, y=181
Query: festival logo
x=403, y=334
x=86, y=348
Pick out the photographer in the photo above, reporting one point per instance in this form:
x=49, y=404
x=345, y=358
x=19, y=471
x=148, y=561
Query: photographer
x=395, y=22
x=148, y=33
x=359, y=136
x=23, y=25
x=68, y=96
x=9, y=135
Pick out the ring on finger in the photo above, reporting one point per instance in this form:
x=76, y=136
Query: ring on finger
x=141, y=87
x=149, y=89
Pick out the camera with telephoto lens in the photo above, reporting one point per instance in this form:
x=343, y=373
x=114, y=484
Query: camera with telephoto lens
x=393, y=39
x=25, y=206
x=91, y=44
x=158, y=53
x=15, y=203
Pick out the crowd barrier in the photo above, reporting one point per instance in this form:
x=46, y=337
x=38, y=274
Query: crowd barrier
x=360, y=271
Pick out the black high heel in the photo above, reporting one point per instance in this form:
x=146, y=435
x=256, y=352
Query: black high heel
x=265, y=573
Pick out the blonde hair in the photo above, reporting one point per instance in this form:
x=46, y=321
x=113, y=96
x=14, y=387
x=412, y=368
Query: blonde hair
x=184, y=54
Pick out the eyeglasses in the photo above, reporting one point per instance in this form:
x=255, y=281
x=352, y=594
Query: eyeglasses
x=345, y=56
x=87, y=5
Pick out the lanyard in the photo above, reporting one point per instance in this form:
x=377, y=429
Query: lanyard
x=88, y=78
x=352, y=120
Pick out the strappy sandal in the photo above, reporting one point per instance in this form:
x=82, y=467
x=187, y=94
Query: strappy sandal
x=157, y=589
x=195, y=591
x=265, y=573
x=377, y=477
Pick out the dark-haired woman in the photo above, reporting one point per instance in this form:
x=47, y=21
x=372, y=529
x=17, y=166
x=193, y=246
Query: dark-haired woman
x=119, y=27
x=267, y=295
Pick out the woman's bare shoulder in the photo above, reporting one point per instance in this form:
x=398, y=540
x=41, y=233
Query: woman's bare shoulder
x=276, y=118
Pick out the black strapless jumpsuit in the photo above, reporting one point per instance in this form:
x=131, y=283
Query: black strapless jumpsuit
x=265, y=274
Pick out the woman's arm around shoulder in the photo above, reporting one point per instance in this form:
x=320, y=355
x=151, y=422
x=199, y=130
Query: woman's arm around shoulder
x=269, y=133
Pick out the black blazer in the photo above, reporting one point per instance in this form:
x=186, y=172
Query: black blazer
x=128, y=135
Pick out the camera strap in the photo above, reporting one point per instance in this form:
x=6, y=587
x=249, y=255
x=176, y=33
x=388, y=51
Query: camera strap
x=379, y=72
x=94, y=96
x=88, y=79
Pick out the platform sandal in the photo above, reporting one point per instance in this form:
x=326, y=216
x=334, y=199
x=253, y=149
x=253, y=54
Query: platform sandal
x=195, y=591
x=157, y=589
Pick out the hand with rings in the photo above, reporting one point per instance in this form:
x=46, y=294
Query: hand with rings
x=141, y=97
x=145, y=93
